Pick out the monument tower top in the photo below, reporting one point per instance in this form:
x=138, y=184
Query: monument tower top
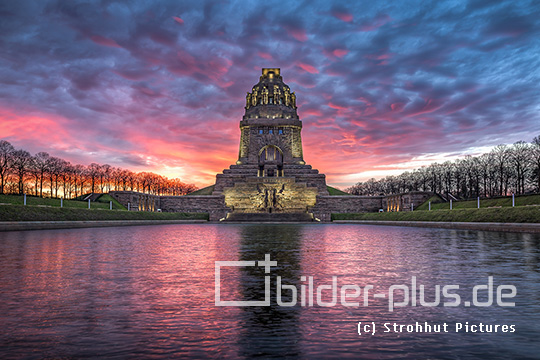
x=271, y=98
x=271, y=129
x=270, y=72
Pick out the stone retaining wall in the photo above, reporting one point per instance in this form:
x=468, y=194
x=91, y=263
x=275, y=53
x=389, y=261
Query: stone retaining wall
x=214, y=205
x=326, y=205
x=136, y=201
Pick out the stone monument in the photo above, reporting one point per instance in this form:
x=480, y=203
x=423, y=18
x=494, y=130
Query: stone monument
x=270, y=175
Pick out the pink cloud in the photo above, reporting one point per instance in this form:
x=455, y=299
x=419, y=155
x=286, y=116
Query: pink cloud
x=370, y=111
x=364, y=100
x=36, y=129
x=379, y=57
x=430, y=106
x=342, y=15
x=132, y=74
x=397, y=107
x=178, y=20
x=298, y=34
x=309, y=68
x=340, y=52
x=375, y=23
x=264, y=55
x=183, y=64
x=98, y=39
x=337, y=107
x=194, y=168
x=312, y=112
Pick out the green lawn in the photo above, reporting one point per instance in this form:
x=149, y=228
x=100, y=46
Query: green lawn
x=101, y=203
x=333, y=191
x=39, y=213
x=521, y=200
x=106, y=198
x=521, y=214
x=204, y=191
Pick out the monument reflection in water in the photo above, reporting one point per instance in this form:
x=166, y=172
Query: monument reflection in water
x=270, y=330
x=141, y=292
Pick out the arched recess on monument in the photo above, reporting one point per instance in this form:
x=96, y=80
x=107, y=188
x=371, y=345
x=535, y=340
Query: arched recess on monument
x=270, y=161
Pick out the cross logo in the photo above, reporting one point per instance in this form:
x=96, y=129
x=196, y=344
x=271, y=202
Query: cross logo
x=267, y=264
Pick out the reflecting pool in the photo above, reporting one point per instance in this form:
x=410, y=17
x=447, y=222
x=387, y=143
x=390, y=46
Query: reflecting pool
x=149, y=292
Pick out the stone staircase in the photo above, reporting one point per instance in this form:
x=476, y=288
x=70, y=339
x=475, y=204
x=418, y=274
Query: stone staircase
x=270, y=195
x=287, y=198
x=269, y=217
x=301, y=173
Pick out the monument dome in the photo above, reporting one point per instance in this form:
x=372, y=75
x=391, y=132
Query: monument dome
x=270, y=98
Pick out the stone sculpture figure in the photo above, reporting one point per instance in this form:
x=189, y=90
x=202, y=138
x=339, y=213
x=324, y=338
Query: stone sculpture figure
x=287, y=96
x=248, y=100
x=266, y=202
x=277, y=95
x=265, y=95
x=254, y=97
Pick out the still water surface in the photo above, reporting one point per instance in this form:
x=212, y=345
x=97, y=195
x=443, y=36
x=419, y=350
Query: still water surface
x=147, y=292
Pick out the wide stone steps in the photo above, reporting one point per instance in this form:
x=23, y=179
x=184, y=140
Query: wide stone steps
x=288, y=172
x=269, y=217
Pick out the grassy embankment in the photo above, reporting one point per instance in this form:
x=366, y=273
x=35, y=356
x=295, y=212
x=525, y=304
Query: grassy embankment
x=101, y=203
x=333, y=191
x=506, y=201
x=491, y=210
x=522, y=214
x=38, y=209
x=204, y=191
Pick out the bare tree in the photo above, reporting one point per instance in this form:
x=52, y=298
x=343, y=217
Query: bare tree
x=41, y=166
x=79, y=173
x=500, y=153
x=104, y=177
x=535, y=159
x=65, y=175
x=520, y=157
x=485, y=163
x=6, y=162
x=55, y=168
x=21, y=166
x=93, y=172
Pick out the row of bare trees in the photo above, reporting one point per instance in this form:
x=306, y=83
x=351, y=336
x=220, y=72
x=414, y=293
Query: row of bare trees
x=506, y=169
x=45, y=175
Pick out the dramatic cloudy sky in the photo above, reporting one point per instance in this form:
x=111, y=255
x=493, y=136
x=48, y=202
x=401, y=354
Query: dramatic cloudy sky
x=160, y=85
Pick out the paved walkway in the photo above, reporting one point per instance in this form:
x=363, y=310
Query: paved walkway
x=42, y=225
x=508, y=227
